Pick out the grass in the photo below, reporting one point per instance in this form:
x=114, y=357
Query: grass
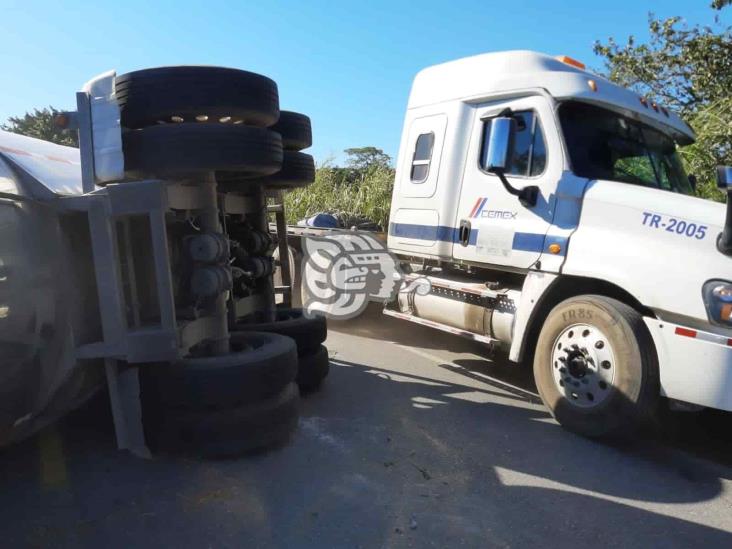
x=350, y=194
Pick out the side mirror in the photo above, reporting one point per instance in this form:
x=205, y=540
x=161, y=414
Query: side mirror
x=500, y=144
x=498, y=158
x=693, y=181
x=724, y=177
x=724, y=182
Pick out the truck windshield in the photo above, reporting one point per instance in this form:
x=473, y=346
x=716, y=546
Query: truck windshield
x=606, y=145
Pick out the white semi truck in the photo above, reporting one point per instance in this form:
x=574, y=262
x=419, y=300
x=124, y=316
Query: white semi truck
x=552, y=216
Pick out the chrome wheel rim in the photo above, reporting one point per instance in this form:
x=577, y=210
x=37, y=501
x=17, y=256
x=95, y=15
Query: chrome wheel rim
x=583, y=365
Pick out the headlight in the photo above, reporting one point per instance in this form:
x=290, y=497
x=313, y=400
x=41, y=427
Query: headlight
x=717, y=296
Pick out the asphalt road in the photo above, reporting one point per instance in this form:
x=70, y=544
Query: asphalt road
x=417, y=439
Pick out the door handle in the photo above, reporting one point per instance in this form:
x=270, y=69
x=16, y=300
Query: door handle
x=464, y=232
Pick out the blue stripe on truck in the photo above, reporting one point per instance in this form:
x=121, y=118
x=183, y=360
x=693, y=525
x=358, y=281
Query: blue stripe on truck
x=442, y=233
x=525, y=242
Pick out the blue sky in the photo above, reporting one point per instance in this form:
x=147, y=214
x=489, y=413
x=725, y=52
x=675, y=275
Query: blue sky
x=348, y=65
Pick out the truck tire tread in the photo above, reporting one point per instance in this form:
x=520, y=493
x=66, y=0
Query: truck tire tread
x=259, y=371
x=308, y=332
x=147, y=97
x=183, y=148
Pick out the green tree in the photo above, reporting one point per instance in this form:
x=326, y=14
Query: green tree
x=40, y=124
x=364, y=158
x=690, y=70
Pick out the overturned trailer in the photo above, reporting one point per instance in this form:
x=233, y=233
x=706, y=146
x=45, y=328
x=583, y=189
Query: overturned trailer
x=144, y=258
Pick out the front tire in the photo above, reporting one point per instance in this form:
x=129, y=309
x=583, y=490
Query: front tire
x=595, y=367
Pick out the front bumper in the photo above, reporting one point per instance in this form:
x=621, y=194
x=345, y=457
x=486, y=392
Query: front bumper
x=694, y=366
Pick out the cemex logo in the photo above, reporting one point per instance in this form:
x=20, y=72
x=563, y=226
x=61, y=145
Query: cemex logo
x=480, y=211
x=478, y=207
x=341, y=273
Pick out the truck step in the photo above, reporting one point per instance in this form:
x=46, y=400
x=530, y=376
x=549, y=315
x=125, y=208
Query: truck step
x=443, y=327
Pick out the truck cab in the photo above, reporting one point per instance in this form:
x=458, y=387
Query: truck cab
x=582, y=248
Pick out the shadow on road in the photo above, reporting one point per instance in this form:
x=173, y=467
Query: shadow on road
x=706, y=434
x=381, y=459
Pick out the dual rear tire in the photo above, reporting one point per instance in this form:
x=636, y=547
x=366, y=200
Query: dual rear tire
x=297, y=168
x=308, y=333
x=192, y=119
x=222, y=406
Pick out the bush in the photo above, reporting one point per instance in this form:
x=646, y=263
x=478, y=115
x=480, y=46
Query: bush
x=712, y=148
x=346, y=192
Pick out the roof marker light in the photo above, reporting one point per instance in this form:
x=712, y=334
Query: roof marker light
x=569, y=61
x=592, y=84
x=655, y=107
x=644, y=102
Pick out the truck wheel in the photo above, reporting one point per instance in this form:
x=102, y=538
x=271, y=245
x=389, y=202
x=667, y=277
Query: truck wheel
x=227, y=432
x=260, y=366
x=595, y=367
x=196, y=94
x=184, y=148
x=298, y=170
x=295, y=129
x=308, y=333
x=312, y=369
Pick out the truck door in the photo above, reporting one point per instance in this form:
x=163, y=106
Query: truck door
x=492, y=225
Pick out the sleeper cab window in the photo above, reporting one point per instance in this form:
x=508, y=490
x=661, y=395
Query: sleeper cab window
x=422, y=157
x=529, y=149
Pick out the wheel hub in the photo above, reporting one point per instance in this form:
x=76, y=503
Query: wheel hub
x=583, y=365
x=577, y=365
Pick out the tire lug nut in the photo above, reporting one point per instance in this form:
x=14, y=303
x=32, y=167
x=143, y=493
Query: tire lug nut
x=599, y=344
